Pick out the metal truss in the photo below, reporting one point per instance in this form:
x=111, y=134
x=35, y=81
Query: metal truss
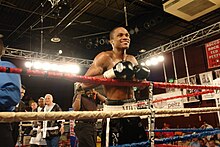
x=36, y=56
x=199, y=35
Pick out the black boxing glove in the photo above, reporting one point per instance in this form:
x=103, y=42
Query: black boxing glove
x=141, y=72
x=123, y=69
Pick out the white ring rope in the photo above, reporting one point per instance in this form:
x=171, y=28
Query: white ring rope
x=24, y=116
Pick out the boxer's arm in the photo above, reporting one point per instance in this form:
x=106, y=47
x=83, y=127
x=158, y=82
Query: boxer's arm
x=100, y=62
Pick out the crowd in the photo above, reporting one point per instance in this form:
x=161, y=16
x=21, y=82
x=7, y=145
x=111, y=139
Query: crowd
x=43, y=133
x=207, y=141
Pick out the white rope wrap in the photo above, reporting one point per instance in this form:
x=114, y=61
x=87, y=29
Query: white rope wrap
x=24, y=116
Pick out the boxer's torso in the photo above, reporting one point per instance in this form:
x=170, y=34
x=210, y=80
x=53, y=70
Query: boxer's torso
x=117, y=92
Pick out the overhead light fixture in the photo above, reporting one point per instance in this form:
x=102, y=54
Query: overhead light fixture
x=136, y=30
x=154, y=60
x=142, y=50
x=60, y=52
x=47, y=66
x=54, y=2
x=55, y=39
x=131, y=31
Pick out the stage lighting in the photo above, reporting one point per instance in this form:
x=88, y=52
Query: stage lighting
x=55, y=39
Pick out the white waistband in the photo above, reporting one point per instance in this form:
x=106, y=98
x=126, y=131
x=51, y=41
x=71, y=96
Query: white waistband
x=127, y=106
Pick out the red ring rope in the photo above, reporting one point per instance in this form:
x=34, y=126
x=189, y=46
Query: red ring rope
x=183, y=96
x=104, y=81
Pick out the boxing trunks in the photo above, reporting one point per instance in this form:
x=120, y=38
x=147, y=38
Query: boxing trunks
x=122, y=130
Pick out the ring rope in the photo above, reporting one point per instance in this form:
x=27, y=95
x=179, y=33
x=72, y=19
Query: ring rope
x=168, y=140
x=180, y=114
x=183, y=96
x=104, y=81
x=186, y=137
x=185, y=130
x=22, y=116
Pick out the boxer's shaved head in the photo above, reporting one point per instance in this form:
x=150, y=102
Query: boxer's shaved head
x=111, y=35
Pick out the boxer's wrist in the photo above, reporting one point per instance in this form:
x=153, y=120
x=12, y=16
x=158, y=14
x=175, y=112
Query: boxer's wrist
x=109, y=73
x=122, y=69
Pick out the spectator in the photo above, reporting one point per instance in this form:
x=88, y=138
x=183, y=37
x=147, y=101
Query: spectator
x=207, y=126
x=34, y=107
x=36, y=133
x=202, y=143
x=53, y=129
x=212, y=143
x=10, y=95
x=17, y=126
x=178, y=133
x=85, y=129
x=41, y=104
x=167, y=134
x=194, y=143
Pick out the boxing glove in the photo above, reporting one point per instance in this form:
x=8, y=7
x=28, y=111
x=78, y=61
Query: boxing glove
x=123, y=69
x=141, y=72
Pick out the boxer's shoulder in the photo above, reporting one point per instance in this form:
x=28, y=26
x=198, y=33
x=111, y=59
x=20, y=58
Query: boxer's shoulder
x=104, y=55
x=109, y=53
x=130, y=56
x=132, y=59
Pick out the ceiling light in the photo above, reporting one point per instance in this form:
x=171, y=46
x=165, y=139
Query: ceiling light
x=37, y=65
x=154, y=61
x=28, y=64
x=60, y=52
x=148, y=63
x=131, y=31
x=143, y=64
x=136, y=29
x=160, y=58
x=47, y=66
x=55, y=39
x=54, y=2
x=142, y=51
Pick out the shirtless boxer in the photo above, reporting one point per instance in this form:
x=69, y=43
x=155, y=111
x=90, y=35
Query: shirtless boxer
x=117, y=64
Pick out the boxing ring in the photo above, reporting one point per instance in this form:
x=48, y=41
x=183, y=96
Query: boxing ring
x=150, y=112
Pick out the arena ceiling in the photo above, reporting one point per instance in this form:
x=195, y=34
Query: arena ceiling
x=83, y=25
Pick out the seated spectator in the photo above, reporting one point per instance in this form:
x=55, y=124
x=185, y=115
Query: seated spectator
x=167, y=134
x=194, y=142
x=178, y=133
x=212, y=143
x=202, y=143
x=207, y=126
